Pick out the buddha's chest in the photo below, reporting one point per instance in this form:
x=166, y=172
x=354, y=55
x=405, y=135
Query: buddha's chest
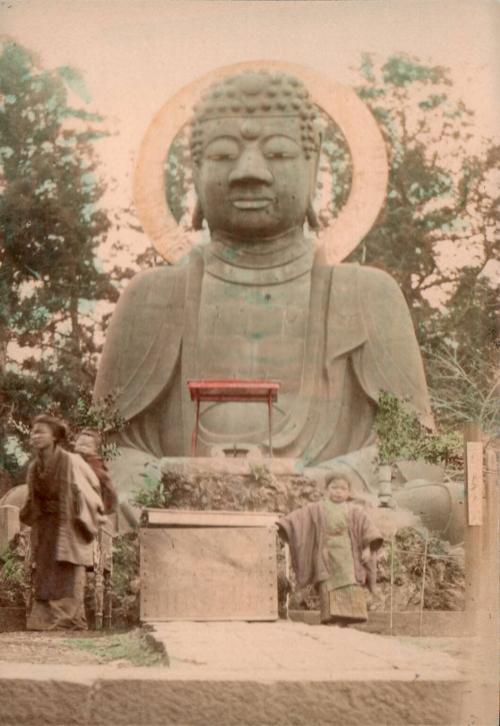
x=247, y=331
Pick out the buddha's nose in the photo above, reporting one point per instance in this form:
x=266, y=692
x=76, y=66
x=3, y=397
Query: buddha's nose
x=251, y=167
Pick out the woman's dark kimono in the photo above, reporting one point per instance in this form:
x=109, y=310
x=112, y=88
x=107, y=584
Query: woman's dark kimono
x=62, y=509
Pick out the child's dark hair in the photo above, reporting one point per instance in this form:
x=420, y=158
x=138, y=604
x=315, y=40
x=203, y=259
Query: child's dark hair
x=337, y=477
x=93, y=433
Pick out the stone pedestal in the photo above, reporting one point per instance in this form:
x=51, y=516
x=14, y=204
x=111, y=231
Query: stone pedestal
x=208, y=566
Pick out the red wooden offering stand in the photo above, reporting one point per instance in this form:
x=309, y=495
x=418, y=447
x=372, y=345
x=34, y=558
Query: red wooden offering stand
x=253, y=391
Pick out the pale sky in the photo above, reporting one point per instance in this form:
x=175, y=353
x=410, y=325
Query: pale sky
x=135, y=55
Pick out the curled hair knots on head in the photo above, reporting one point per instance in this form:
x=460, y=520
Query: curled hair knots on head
x=259, y=94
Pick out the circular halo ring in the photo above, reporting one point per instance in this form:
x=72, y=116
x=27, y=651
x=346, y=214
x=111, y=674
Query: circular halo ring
x=362, y=134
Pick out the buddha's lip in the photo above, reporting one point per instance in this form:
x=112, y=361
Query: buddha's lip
x=251, y=203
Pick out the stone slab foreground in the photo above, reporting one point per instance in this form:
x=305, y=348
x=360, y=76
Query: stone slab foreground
x=248, y=674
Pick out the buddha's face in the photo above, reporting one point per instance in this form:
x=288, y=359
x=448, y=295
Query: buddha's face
x=254, y=180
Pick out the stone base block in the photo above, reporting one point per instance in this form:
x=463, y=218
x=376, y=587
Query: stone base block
x=55, y=695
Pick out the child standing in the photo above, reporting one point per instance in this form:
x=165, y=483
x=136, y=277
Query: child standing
x=88, y=444
x=333, y=545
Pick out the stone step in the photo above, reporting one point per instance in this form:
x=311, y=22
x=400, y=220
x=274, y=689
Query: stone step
x=93, y=695
x=251, y=674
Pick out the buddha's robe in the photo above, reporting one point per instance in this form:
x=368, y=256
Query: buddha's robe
x=353, y=339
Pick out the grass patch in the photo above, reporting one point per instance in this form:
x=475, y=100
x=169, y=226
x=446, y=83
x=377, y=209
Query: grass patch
x=133, y=647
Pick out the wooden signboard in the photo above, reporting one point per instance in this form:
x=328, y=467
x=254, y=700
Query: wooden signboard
x=221, y=570
x=475, y=483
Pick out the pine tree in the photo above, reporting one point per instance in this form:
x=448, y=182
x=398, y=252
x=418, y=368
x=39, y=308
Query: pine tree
x=51, y=225
x=441, y=204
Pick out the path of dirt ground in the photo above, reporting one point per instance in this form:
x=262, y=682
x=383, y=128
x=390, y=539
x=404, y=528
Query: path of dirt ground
x=35, y=647
x=56, y=648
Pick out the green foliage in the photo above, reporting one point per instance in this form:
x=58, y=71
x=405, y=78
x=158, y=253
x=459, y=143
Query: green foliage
x=133, y=647
x=12, y=567
x=335, y=172
x=102, y=416
x=401, y=70
x=125, y=562
x=441, y=207
x=11, y=577
x=257, y=490
x=419, y=124
x=261, y=473
x=126, y=579
x=178, y=175
x=401, y=436
x=466, y=388
x=444, y=578
x=397, y=428
x=51, y=227
x=464, y=373
x=152, y=493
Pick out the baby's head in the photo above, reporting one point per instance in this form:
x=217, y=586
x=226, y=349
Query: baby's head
x=87, y=443
x=338, y=489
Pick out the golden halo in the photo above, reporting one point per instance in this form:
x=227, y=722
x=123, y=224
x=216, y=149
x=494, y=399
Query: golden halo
x=363, y=137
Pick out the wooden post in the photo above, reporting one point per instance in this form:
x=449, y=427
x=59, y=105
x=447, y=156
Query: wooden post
x=491, y=558
x=473, y=544
x=487, y=619
x=481, y=580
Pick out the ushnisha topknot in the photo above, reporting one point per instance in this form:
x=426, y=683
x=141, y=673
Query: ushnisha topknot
x=256, y=94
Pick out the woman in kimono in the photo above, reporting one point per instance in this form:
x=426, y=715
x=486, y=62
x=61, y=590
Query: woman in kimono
x=333, y=545
x=63, y=509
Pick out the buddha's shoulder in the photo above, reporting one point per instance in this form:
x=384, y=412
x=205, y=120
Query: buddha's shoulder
x=167, y=281
x=351, y=271
x=370, y=282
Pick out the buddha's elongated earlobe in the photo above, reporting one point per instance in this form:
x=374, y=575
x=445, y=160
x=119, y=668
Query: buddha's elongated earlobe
x=312, y=217
x=198, y=217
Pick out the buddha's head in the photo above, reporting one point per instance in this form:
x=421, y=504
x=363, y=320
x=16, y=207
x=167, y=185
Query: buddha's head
x=255, y=149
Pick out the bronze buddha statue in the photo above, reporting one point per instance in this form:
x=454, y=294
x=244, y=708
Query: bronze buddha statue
x=257, y=301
